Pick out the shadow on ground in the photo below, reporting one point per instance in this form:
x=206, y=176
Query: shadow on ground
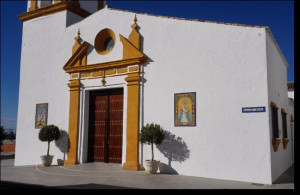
x=15, y=185
x=91, y=186
x=286, y=177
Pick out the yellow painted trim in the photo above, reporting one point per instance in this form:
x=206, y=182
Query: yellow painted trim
x=72, y=6
x=84, y=74
x=103, y=66
x=108, y=72
x=76, y=59
x=107, y=76
x=131, y=56
x=122, y=70
x=103, y=78
x=135, y=36
x=132, y=133
x=133, y=68
x=33, y=5
x=129, y=50
x=57, y=1
x=74, y=86
x=77, y=43
x=96, y=74
x=74, y=76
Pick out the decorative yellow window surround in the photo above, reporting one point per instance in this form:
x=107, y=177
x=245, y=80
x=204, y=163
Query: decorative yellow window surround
x=129, y=65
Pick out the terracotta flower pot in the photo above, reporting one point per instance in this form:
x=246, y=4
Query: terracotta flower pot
x=285, y=143
x=47, y=160
x=151, y=166
x=276, y=143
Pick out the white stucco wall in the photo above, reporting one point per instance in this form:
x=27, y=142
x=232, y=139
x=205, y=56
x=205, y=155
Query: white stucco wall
x=291, y=94
x=277, y=92
x=225, y=65
x=228, y=64
x=42, y=80
x=28, y=5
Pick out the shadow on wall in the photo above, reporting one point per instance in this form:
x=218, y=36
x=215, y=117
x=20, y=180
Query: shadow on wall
x=174, y=149
x=63, y=145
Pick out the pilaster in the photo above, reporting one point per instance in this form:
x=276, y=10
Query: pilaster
x=74, y=86
x=132, y=133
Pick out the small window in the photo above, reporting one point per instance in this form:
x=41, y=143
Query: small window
x=275, y=130
x=284, y=123
x=109, y=44
x=105, y=41
x=45, y=3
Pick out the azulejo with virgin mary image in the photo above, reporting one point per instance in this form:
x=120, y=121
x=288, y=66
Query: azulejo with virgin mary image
x=185, y=109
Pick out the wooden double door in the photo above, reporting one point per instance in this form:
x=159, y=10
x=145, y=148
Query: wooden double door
x=105, y=126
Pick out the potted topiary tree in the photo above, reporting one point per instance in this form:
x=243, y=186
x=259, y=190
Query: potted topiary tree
x=48, y=134
x=151, y=134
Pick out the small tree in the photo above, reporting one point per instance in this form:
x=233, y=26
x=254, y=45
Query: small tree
x=2, y=134
x=48, y=134
x=11, y=135
x=152, y=134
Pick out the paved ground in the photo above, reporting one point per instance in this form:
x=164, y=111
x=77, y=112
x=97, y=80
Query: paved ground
x=96, y=176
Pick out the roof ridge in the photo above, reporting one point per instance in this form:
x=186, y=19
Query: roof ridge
x=195, y=20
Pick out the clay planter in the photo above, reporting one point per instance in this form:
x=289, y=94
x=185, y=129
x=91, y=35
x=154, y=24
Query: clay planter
x=151, y=167
x=285, y=143
x=46, y=160
x=276, y=143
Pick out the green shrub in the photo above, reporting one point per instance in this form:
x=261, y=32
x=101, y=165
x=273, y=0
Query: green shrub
x=152, y=134
x=48, y=134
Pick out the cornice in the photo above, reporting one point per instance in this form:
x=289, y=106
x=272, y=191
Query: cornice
x=105, y=65
x=69, y=6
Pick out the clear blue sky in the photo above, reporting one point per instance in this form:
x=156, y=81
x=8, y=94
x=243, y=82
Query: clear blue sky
x=278, y=15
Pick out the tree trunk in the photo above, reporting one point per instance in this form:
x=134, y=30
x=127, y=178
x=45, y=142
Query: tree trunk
x=152, y=152
x=48, y=148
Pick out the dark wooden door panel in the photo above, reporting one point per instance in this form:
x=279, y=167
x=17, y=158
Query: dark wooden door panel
x=105, y=126
x=97, y=127
x=115, y=128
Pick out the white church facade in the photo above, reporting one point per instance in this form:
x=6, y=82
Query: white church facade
x=102, y=73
